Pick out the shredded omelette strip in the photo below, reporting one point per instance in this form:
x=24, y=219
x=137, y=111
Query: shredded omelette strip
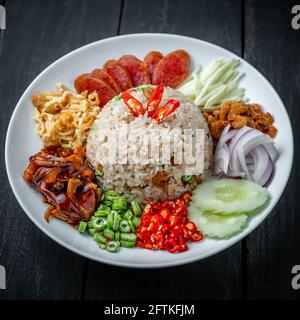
x=63, y=117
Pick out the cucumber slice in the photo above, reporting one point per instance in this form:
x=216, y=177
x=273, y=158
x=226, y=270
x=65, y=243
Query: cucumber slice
x=229, y=196
x=217, y=226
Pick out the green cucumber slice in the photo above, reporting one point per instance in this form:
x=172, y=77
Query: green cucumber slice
x=217, y=226
x=229, y=196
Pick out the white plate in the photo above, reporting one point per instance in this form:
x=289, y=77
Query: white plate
x=22, y=141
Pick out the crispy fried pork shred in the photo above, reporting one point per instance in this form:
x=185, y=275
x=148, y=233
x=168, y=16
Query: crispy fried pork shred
x=238, y=115
x=65, y=180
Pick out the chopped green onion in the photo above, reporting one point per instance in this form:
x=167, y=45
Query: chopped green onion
x=124, y=226
x=136, y=208
x=98, y=172
x=102, y=245
x=113, y=246
x=128, y=237
x=82, y=227
x=143, y=86
x=118, y=97
x=108, y=234
x=127, y=244
x=187, y=179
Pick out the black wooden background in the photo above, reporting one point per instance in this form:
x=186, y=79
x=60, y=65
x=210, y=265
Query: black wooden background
x=38, y=32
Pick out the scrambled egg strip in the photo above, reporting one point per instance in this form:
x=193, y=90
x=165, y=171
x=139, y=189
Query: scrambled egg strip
x=64, y=118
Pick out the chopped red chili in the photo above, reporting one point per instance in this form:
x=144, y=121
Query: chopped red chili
x=162, y=113
x=135, y=107
x=165, y=226
x=155, y=100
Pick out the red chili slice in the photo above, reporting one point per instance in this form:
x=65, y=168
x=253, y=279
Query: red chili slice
x=154, y=100
x=172, y=69
x=119, y=74
x=162, y=113
x=87, y=82
x=105, y=77
x=152, y=59
x=135, y=107
x=137, y=69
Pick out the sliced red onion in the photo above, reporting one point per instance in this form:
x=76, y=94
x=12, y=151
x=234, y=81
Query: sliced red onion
x=246, y=153
x=222, y=151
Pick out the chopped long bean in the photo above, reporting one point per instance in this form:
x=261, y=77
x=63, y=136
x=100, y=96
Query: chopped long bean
x=99, y=238
x=135, y=221
x=98, y=223
x=113, y=246
x=124, y=226
x=128, y=215
x=82, y=227
x=116, y=222
x=136, y=208
x=110, y=220
x=117, y=236
x=108, y=234
x=127, y=244
x=120, y=204
x=128, y=237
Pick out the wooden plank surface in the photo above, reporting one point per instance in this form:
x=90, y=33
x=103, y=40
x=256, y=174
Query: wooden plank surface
x=39, y=32
x=218, y=277
x=272, y=46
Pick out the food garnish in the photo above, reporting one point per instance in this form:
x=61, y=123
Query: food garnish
x=239, y=115
x=154, y=100
x=163, y=112
x=65, y=180
x=165, y=226
x=64, y=118
x=159, y=114
x=246, y=153
x=114, y=223
x=135, y=107
x=219, y=83
x=220, y=208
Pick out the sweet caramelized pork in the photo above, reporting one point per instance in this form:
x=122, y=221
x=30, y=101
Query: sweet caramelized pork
x=65, y=180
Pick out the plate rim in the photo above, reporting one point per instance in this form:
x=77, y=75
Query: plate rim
x=147, y=265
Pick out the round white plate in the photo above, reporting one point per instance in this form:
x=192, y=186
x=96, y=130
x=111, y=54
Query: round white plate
x=22, y=142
